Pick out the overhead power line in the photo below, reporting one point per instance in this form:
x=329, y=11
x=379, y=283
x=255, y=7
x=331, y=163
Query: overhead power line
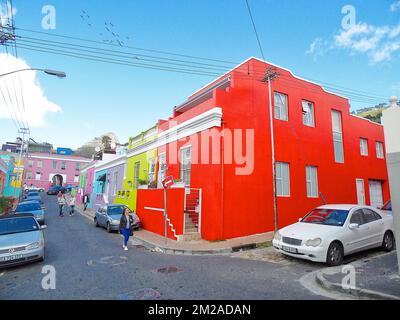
x=255, y=29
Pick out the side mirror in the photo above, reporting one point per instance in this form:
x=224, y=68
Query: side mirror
x=301, y=219
x=354, y=226
x=44, y=227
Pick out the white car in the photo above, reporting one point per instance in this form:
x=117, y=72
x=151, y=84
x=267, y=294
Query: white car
x=330, y=232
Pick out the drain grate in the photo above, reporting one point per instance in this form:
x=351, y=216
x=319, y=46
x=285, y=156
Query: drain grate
x=141, y=294
x=169, y=270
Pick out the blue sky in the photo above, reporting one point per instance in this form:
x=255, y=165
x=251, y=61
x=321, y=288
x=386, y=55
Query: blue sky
x=96, y=98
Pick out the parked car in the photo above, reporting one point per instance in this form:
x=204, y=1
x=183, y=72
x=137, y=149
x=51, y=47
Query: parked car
x=21, y=240
x=33, y=188
x=330, y=232
x=55, y=190
x=34, y=196
x=32, y=207
x=109, y=216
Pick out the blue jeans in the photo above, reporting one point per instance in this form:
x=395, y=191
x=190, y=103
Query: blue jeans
x=61, y=206
x=127, y=234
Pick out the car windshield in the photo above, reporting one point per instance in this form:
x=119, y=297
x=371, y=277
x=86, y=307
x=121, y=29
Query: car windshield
x=328, y=217
x=115, y=210
x=18, y=225
x=26, y=207
x=33, y=194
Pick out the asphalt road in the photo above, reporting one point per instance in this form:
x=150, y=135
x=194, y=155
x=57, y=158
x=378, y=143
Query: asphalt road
x=90, y=264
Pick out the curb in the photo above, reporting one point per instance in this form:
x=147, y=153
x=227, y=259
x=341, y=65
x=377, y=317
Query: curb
x=186, y=252
x=356, y=292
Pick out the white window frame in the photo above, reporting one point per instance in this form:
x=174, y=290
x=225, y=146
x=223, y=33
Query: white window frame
x=162, y=168
x=338, y=136
x=136, y=176
x=115, y=184
x=380, y=154
x=312, y=181
x=279, y=179
x=278, y=112
x=76, y=179
x=30, y=163
x=185, y=167
x=152, y=170
x=364, y=147
x=29, y=175
x=308, y=111
x=38, y=176
x=40, y=164
x=361, y=202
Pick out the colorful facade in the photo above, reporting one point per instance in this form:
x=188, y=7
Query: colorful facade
x=12, y=187
x=45, y=170
x=86, y=182
x=3, y=176
x=140, y=169
x=219, y=142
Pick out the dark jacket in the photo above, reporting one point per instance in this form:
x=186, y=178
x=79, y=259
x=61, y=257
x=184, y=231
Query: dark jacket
x=86, y=199
x=123, y=222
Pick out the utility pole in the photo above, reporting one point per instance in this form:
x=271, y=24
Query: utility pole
x=271, y=75
x=22, y=131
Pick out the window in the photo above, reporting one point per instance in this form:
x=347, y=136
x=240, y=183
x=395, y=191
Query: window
x=281, y=106
x=308, y=114
x=63, y=165
x=186, y=164
x=379, y=150
x=29, y=175
x=337, y=136
x=364, y=147
x=162, y=169
x=77, y=166
x=30, y=163
x=76, y=179
x=152, y=169
x=370, y=216
x=38, y=176
x=136, y=177
x=357, y=218
x=40, y=164
x=312, y=182
x=282, y=179
x=115, y=185
x=54, y=164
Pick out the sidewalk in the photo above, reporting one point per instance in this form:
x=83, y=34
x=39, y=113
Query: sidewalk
x=376, y=278
x=155, y=242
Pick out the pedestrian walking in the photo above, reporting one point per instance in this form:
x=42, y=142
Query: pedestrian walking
x=85, y=201
x=125, y=226
x=72, y=201
x=61, y=203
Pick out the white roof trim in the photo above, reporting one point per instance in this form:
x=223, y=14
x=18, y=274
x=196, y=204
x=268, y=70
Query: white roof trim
x=33, y=156
x=209, y=119
x=365, y=119
x=110, y=163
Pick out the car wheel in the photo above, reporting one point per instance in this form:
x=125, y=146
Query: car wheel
x=335, y=255
x=109, y=227
x=96, y=223
x=388, y=242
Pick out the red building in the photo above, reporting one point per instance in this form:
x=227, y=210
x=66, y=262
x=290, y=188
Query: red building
x=321, y=150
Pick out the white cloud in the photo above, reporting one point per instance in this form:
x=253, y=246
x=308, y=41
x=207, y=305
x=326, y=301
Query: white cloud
x=395, y=6
x=379, y=43
x=37, y=104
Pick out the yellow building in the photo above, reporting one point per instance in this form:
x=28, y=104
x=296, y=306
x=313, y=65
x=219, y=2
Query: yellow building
x=140, y=168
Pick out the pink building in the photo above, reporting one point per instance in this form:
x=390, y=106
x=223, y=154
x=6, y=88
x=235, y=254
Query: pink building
x=45, y=170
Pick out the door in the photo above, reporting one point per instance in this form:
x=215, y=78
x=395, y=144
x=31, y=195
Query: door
x=375, y=191
x=375, y=226
x=360, y=192
x=356, y=239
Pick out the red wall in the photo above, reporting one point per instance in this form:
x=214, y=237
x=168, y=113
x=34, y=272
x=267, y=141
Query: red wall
x=235, y=206
x=154, y=220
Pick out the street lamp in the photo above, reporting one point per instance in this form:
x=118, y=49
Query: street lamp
x=59, y=74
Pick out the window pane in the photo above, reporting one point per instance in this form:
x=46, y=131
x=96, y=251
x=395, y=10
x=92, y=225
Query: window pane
x=280, y=108
x=282, y=179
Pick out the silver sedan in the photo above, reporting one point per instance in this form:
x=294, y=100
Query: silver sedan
x=21, y=240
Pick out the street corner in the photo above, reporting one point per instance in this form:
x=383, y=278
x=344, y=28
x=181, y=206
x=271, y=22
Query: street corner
x=373, y=277
x=265, y=255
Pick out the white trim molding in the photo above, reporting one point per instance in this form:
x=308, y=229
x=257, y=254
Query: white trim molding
x=100, y=166
x=209, y=119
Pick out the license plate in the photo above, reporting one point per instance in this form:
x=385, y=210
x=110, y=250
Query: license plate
x=289, y=249
x=11, y=258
